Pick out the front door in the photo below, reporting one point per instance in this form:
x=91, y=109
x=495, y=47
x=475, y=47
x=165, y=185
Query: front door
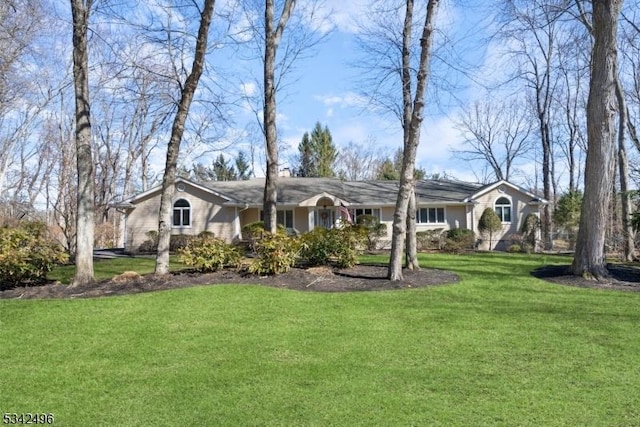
x=325, y=218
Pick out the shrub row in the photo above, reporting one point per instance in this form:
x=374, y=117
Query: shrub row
x=176, y=242
x=278, y=253
x=207, y=253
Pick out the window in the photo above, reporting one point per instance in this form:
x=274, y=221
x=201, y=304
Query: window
x=430, y=216
x=181, y=213
x=283, y=217
x=503, y=209
x=364, y=211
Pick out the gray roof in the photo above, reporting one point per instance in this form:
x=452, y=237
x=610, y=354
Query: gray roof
x=293, y=190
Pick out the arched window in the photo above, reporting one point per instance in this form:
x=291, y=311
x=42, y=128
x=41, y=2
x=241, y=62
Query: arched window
x=503, y=209
x=181, y=213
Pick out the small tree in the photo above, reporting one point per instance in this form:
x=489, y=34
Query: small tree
x=489, y=223
x=530, y=228
x=567, y=214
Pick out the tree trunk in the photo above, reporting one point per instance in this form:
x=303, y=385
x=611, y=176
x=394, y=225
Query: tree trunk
x=589, y=259
x=412, y=240
x=623, y=171
x=85, y=201
x=547, y=238
x=177, y=130
x=406, y=188
x=272, y=40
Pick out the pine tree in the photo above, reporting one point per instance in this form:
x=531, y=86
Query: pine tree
x=223, y=171
x=318, y=154
x=306, y=167
x=243, y=167
x=326, y=152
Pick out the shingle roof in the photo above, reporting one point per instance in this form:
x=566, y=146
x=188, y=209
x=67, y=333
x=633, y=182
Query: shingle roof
x=293, y=190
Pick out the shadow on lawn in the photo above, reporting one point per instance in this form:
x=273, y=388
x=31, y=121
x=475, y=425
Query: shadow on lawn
x=621, y=277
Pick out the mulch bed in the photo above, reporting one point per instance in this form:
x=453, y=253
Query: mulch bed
x=320, y=279
x=621, y=277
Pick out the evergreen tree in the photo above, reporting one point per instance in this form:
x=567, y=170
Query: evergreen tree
x=306, y=167
x=222, y=171
x=243, y=167
x=567, y=214
x=326, y=152
x=390, y=169
x=489, y=223
x=318, y=154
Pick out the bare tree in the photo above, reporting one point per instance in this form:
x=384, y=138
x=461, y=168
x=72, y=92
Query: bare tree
x=285, y=35
x=272, y=36
x=80, y=10
x=19, y=26
x=535, y=28
x=589, y=258
x=570, y=103
x=359, y=162
x=497, y=134
x=396, y=64
x=177, y=131
x=413, y=106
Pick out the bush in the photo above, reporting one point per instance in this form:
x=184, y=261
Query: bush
x=515, y=248
x=179, y=241
x=429, y=239
x=339, y=245
x=372, y=229
x=209, y=254
x=151, y=244
x=176, y=242
x=277, y=253
x=459, y=239
x=254, y=232
x=489, y=223
x=27, y=254
x=530, y=229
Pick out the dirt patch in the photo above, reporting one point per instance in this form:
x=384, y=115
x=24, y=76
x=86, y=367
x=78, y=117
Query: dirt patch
x=320, y=279
x=622, y=277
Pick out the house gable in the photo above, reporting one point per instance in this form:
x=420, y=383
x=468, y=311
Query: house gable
x=501, y=187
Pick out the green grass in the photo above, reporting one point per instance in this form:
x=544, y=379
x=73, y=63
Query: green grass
x=107, y=268
x=499, y=348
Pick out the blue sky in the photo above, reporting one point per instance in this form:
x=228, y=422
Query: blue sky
x=324, y=88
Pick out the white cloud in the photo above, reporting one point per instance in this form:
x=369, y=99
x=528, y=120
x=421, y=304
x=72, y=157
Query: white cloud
x=344, y=15
x=346, y=100
x=248, y=89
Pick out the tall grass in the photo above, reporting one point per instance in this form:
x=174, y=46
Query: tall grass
x=498, y=348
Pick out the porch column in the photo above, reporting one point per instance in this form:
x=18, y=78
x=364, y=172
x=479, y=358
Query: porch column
x=312, y=219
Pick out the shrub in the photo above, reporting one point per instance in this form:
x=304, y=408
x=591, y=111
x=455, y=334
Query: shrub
x=530, y=228
x=277, y=253
x=373, y=230
x=316, y=246
x=176, y=242
x=459, y=239
x=254, y=232
x=151, y=244
x=567, y=214
x=340, y=245
x=179, y=241
x=489, y=223
x=429, y=239
x=209, y=254
x=27, y=253
x=515, y=248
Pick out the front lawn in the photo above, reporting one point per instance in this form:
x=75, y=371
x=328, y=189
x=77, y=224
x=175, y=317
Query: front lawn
x=498, y=348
